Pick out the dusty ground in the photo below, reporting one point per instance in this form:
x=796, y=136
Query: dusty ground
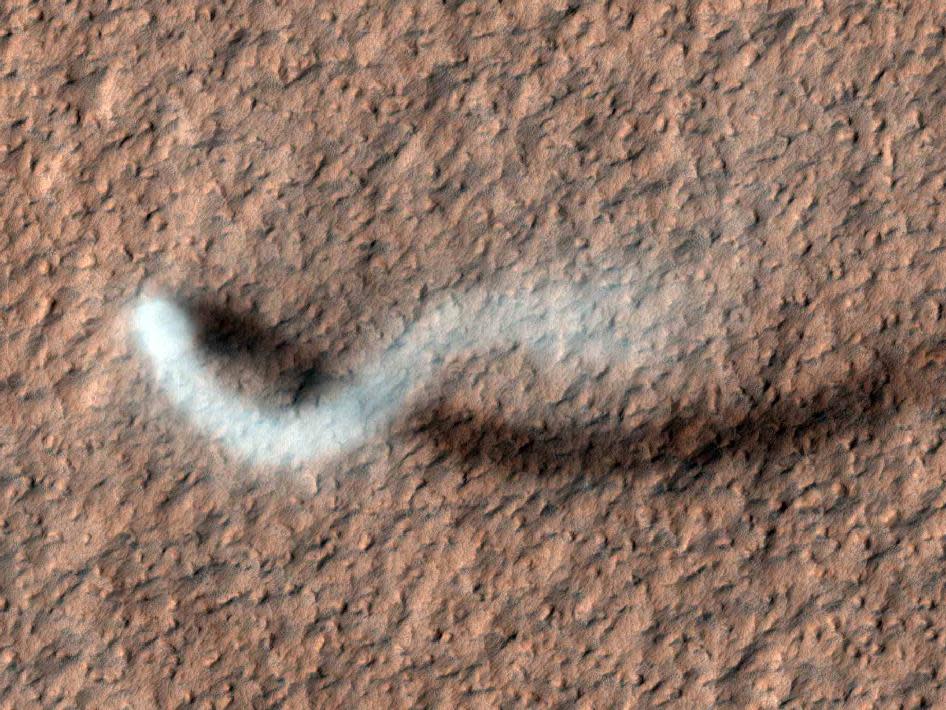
x=755, y=517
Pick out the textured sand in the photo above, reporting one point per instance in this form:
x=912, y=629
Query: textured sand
x=749, y=513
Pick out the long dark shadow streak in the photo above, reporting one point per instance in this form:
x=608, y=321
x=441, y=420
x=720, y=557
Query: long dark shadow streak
x=687, y=442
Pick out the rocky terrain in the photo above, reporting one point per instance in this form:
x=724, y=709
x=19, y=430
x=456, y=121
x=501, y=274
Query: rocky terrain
x=749, y=512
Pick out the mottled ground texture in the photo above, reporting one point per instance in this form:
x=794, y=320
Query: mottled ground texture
x=750, y=514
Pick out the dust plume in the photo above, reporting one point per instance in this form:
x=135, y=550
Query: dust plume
x=552, y=323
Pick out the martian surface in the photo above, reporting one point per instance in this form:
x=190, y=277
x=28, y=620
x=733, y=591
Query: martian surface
x=472, y=354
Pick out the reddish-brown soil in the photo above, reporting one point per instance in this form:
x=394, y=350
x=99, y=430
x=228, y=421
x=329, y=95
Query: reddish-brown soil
x=753, y=516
